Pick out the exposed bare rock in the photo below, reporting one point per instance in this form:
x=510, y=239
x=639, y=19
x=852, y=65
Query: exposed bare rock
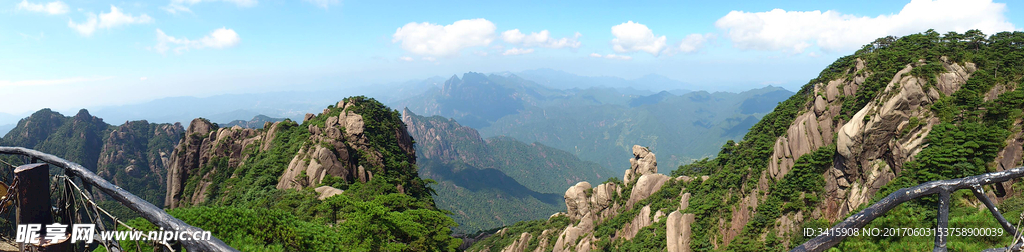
x=186, y=157
x=576, y=201
x=543, y=240
x=643, y=162
x=325, y=192
x=268, y=139
x=645, y=186
x=569, y=236
x=684, y=201
x=741, y=214
x=678, y=232
x=308, y=117
x=642, y=220
x=871, y=145
x=519, y=245
x=585, y=244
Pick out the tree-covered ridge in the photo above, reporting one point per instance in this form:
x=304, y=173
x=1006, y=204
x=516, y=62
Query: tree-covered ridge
x=968, y=126
x=393, y=210
x=128, y=155
x=494, y=182
x=971, y=133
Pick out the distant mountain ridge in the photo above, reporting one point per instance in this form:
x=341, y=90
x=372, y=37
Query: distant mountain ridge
x=132, y=155
x=258, y=121
x=689, y=125
x=494, y=182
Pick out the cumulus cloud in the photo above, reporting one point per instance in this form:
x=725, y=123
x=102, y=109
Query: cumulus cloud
x=323, y=3
x=182, y=5
x=517, y=51
x=632, y=37
x=539, y=39
x=405, y=58
x=611, y=56
x=108, y=20
x=442, y=41
x=51, y=8
x=795, y=31
x=217, y=39
x=694, y=42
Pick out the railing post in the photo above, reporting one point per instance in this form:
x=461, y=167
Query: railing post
x=943, y=221
x=34, y=203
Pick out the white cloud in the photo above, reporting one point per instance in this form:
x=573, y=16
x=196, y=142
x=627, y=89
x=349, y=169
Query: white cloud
x=108, y=20
x=182, y=5
x=611, y=56
x=143, y=78
x=541, y=39
x=323, y=3
x=694, y=42
x=795, y=31
x=436, y=40
x=218, y=39
x=405, y=58
x=632, y=37
x=431, y=59
x=51, y=8
x=517, y=51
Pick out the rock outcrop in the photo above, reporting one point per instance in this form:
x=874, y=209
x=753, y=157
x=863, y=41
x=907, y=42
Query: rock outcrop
x=643, y=162
x=588, y=206
x=338, y=147
x=872, y=146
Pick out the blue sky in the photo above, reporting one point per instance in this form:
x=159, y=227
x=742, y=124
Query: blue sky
x=137, y=51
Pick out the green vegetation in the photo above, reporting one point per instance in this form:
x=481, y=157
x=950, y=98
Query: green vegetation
x=605, y=133
x=244, y=208
x=970, y=135
x=107, y=150
x=534, y=227
x=494, y=182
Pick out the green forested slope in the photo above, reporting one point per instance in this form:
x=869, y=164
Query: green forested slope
x=969, y=127
x=494, y=182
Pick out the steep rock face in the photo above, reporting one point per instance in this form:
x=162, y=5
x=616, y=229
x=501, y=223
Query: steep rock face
x=203, y=141
x=871, y=148
x=339, y=147
x=137, y=154
x=643, y=162
x=340, y=138
x=588, y=206
x=445, y=140
x=641, y=220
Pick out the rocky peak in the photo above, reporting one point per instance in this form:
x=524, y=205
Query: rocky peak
x=643, y=162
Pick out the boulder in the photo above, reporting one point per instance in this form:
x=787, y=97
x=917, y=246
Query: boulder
x=576, y=201
x=678, y=232
x=645, y=186
x=643, y=162
x=642, y=220
x=325, y=192
x=519, y=245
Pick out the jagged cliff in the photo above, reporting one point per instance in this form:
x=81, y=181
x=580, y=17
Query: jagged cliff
x=897, y=113
x=494, y=182
x=335, y=145
x=133, y=155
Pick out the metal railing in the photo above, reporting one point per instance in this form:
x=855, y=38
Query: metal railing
x=148, y=211
x=944, y=188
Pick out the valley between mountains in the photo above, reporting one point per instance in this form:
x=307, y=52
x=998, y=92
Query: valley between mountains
x=532, y=162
